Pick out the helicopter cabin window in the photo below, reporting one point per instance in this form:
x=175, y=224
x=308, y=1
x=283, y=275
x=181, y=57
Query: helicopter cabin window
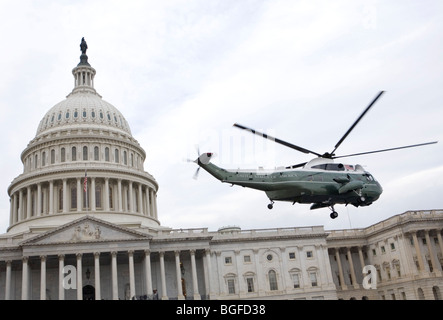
x=331, y=167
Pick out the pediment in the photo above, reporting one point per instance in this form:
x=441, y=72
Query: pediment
x=87, y=229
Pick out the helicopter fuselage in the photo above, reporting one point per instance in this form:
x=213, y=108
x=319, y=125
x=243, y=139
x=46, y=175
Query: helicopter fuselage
x=320, y=183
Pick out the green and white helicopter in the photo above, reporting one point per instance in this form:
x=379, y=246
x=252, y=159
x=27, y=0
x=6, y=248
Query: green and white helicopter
x=320, y=182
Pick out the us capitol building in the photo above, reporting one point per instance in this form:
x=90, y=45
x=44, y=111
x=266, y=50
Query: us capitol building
x=84, y=224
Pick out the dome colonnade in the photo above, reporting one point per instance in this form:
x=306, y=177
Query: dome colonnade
x=80, y=136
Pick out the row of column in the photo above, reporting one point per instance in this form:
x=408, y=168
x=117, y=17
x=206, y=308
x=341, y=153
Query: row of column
x=38, y=200
x=114, y=275
x=405, y=256
x=436, y=266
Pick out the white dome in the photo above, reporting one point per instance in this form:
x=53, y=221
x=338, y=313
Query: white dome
x=83, y=108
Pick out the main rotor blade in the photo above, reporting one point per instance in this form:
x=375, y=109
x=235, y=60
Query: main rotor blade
x=384, y=150
x=286, y=144
x=356, y=122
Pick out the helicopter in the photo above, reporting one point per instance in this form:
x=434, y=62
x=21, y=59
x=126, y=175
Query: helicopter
x=321, y=182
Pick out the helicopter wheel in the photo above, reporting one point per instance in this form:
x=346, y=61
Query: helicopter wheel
x=271, y=205
x=333, y=215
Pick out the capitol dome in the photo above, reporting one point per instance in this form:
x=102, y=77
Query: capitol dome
x=83, y=136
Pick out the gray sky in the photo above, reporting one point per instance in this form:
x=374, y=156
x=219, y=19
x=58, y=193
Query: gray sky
x=182, y=72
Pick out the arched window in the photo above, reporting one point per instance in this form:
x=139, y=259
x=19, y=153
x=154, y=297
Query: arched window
x=43, y=159
x=96, y=153
x=85, y=153
x=63, y=154
x=132, y=159
x=116, y=157
x=35, y=161
x=125, y=157
x=52, y=156
x=74, y=154
x=106, y=154
x=273, y=285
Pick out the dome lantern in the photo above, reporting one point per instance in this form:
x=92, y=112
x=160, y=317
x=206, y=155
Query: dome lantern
x=83, y=73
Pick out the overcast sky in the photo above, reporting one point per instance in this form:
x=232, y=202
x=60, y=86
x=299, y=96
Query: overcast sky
x=182, y=72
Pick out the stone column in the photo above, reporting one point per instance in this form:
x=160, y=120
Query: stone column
x=351, y=267
x=106, y=195
x=140, y=199
x=51, y=197
x=194, y=276
x=65, y=196
x=340, y=269
x=92, y=193
x=148, y=276
x=42, y=277
x=148, y=204
x=131, y=197
x=114, y=276
x=8, y=280
x=20, y=205
x=131, y=274
x=440, y=241
x=435, y=263
x=119, y=198
x=79, y=277
x=97, y=275
x=79, y=195
x=180, y=295
x=39, y=199
x=28, y=202
x=421, y=265
x=209, y=272
x=61, y=275
x=25, y=278
x=15, y=208
x=162, y=275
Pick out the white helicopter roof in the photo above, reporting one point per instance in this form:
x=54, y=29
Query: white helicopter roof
x=329, y=165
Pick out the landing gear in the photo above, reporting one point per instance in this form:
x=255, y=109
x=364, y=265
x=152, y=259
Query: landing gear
x=334, y=213
x=271, y=205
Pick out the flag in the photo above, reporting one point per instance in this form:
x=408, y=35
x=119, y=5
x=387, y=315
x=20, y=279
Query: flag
x=85, y=182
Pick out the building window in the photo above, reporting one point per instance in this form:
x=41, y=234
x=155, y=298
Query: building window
x=116, y=157
x=383, y=250
x=247, y=259
x=309, y=254
x=52, y=156
x=313, y=277
x=85, y=153
x=98, y=196
x=111, y=202
x=125, y=157
x=228, y=260
x=392, y=246
x=43, y=159
x=107, y=154
x=231, y=286
x=291, y=255
x=250, y=284
x=35, y=161
x=269, y=257
x=296, y=280
x=73, y=197
x=63, y=154
x=374, y=253
x=74, y=154
x=60, y=199
x=96, y=153
x=272, y=280
x=132, y=159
